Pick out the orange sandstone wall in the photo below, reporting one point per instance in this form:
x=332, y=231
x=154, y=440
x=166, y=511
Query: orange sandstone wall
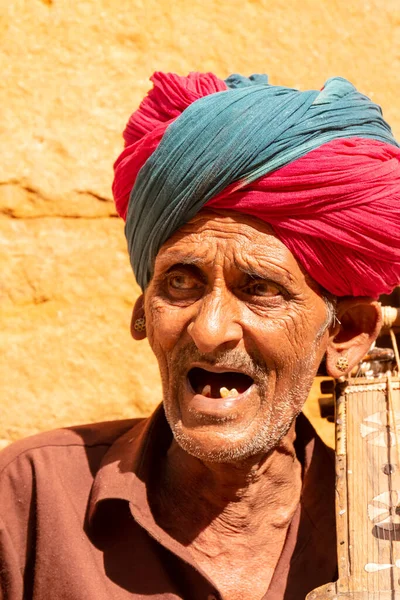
x=72, y=72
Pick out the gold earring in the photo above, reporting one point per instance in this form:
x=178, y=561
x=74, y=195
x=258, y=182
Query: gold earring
x=140, y=324
x=342, y=363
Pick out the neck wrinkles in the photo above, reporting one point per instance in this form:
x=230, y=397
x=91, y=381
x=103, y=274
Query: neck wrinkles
x=230, y=498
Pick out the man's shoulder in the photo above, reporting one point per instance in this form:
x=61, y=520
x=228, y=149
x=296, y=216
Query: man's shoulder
x=92, y=435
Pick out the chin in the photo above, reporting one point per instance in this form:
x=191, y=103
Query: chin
x=229, y=447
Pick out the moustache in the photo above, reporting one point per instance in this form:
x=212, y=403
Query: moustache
x=252, y=365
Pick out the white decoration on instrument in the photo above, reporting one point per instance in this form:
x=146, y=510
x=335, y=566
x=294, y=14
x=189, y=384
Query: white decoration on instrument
x=374, y=429
x=382, y=510
x=373, y=567
x=375, y=418
x=378, y=438
x=366, y=429
x=374, y=512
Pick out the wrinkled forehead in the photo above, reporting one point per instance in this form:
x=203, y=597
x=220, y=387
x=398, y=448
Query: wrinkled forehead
x=243, y=241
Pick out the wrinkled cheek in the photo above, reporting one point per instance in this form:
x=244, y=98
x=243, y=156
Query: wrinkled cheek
x=278, y=346
x=293, y=341
x=293, y=359
x=164, y=329
x=294, y=382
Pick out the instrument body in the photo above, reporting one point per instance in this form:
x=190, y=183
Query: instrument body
x=367, y=491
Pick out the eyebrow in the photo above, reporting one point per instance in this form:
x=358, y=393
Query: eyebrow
x=284, y=280
x=253, y=273
x=176, y=258
x=250, y=271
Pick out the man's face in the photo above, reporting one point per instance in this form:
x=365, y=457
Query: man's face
x=229, y=307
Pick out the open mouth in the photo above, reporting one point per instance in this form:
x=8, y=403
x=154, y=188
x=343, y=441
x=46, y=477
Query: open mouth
x=218, y=385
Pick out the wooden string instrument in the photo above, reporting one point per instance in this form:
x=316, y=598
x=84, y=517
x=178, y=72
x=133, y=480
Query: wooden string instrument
x=367, y=414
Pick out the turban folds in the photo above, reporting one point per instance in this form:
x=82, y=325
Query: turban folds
x=322, y=168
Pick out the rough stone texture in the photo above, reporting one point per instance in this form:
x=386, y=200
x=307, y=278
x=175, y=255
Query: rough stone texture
x=67, y=356
x=71, y=74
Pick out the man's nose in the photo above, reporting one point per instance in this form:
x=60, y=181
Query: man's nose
x=216, y=324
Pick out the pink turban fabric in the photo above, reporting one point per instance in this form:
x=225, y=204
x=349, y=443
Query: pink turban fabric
x=337, y=210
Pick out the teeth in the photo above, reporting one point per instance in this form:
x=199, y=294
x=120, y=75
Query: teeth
x=224, y=392
x=206, y=391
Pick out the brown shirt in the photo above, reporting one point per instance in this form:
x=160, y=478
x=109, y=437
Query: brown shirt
x=75, y=520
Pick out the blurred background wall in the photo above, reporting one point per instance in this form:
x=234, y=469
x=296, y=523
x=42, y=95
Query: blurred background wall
x=72, y=72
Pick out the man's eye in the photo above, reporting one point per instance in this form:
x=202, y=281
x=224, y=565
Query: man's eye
x=262, y=288
x=183, y=282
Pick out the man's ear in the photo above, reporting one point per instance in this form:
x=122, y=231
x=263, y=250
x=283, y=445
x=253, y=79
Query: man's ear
x=138, y=320
x=360, y=320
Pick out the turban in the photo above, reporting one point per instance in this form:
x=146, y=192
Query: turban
x=321, y=167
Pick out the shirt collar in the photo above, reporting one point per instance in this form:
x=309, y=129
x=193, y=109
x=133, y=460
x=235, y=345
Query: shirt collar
x=126, y=465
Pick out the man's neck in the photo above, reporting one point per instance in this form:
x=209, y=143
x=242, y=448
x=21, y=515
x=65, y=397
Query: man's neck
x=234, y=517
x=252, y=497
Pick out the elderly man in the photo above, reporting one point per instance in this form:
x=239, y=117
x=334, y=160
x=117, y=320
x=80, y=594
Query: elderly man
x=262, y=224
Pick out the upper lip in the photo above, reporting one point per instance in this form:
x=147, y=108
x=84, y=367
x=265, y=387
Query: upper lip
x=217, y=368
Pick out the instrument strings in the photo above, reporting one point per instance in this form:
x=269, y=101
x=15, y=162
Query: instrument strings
x=393, y=440
x=386, y=526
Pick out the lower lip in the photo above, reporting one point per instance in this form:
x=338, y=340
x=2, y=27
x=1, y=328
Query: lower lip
x=218, y=408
